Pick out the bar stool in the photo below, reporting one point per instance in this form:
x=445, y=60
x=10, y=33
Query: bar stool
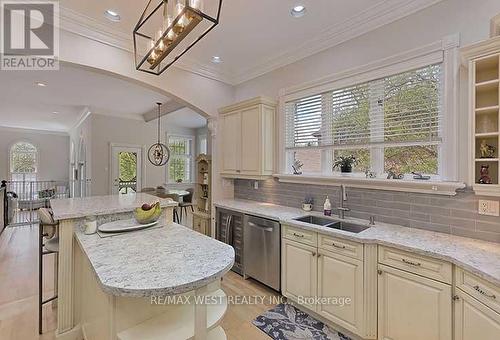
x=175, y=198
x=48, y=231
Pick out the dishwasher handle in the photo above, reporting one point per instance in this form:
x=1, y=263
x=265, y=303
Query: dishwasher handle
x=261, y=227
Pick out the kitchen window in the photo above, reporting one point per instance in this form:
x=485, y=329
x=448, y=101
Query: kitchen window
x=389, y=124
x=179, y=168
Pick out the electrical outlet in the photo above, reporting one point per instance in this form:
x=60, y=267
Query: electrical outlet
x=490, y=208
x=256, y=185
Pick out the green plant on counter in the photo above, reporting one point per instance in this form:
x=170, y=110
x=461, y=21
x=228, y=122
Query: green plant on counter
x=345, y=163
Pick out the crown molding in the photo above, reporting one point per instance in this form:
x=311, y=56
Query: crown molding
x=372, y=18
x=20, y=129
x=88, y=27
x=364, y=22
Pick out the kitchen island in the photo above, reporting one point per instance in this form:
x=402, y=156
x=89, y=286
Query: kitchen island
x=136, y=285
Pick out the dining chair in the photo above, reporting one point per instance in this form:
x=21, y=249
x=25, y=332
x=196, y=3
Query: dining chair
x=48, y=243
x=173, y=197
x=187, y=201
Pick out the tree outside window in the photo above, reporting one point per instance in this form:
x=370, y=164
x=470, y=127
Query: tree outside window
x=23, y=162
x=181, y=158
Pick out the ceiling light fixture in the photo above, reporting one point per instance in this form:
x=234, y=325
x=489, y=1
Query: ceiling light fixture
x=159, y=153
x=112, y=15
x=39, y=83
x=298, y=11
x=182, y=24
x=55, y=112
x=216, y=59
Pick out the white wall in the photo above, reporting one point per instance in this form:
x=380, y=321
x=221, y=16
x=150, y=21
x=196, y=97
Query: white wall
x=469, y=18
x=53, y=156
x=106, y=130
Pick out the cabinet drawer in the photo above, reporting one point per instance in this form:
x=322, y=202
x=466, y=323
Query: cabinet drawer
x=421, y=265
x=478, y=288
x=300, y=235
x=339, y=246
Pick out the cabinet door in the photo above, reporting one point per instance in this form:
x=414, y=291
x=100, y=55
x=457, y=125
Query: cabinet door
x=231, y=143
x=473, y=320
x=411, y=307
x=341, y=277
x=251, y=140
x=299, y=272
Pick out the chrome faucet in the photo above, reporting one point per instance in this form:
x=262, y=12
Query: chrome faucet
x=343, y=198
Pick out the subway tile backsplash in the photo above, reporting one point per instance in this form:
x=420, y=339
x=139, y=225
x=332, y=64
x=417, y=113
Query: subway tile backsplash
x=455, y=215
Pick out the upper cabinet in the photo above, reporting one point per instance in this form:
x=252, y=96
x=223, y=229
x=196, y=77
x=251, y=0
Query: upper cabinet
x=248, y=141
x=483, y=63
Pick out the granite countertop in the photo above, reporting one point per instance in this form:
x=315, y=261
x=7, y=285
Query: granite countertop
x=156, y=262
x=480, y=257
x=69, y=208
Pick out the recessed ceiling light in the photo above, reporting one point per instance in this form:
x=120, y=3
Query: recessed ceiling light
x=55, y=112
x=39, y=83
x=216, y=59
x=112, y=15
x=298, y=11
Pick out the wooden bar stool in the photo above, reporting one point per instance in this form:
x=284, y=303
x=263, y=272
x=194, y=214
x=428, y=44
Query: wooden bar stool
x=48, y=243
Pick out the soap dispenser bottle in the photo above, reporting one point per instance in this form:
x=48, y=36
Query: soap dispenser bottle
x=327, y=207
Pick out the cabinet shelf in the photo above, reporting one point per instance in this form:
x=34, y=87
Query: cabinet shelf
x=486, y=159
x=487, y=134
x=487, y=109
x=179, y=323
x=490, y=85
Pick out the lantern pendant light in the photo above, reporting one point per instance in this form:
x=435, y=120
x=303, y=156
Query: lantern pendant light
x=167, y=29
x=159, y=153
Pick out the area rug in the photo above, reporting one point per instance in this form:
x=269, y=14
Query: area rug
x=285, y=322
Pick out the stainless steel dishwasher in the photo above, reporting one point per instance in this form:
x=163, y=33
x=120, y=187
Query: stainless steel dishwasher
x=262, y=250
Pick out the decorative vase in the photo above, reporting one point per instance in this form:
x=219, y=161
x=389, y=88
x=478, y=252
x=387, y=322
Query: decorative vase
x=307, y=207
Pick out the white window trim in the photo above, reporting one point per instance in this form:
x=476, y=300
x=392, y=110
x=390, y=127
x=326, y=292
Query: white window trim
x=37, y=164
x=192, y=157
x=444, y=51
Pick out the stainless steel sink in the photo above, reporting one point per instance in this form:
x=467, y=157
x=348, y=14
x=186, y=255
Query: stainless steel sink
x=315, y=220
x=329, y=223
x=347, y=226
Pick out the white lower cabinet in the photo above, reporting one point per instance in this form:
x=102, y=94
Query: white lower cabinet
x=412, y=307
x=341, y=278
x=474, y=320
x=299, y=272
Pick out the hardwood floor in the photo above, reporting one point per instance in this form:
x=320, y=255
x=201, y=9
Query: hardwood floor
x=19, y=286
x=19, y=293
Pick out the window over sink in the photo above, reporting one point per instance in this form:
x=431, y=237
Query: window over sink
x=392, y=124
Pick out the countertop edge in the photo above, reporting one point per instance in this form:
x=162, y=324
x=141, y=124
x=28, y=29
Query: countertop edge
x=73, y=216
x=145, y=293
x=367, y=240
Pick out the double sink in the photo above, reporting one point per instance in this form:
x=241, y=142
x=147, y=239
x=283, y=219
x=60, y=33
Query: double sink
x=328, y=223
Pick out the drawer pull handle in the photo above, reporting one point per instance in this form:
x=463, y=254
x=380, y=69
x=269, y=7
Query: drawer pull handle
x=337, y=246
x=298, y=235
x=482, y=292
x=313, y=254
x=416, y=264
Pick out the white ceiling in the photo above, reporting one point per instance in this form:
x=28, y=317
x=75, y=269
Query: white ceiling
x=185, y=118
x=255, y=36
x=72, y=90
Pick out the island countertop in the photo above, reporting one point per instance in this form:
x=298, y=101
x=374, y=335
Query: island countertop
x=69, y=208
x=155, y=262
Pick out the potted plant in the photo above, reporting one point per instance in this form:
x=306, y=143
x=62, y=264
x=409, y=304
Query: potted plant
x=345, y=163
